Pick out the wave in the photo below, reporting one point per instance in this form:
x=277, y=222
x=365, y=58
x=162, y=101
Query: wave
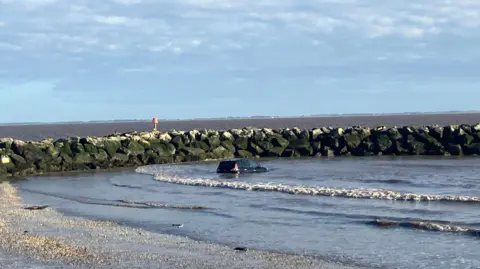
x=307, y=190
x=116, y=203
x=425, y=225
x=388, y=181
x=159, y=205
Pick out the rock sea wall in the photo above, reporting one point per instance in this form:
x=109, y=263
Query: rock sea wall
x=22, y=158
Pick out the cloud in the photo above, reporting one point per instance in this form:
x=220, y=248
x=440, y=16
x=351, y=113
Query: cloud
x=9, y=46
x=29, y=3
x=127, y=2
x=249, y=45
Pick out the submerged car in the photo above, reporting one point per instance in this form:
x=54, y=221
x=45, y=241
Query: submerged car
x=237, y=166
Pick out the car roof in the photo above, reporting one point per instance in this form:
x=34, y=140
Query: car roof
x=237, y=159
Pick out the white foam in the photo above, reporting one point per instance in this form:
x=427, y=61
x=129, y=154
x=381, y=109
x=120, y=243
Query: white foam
x=169, y=177
x=429, y=226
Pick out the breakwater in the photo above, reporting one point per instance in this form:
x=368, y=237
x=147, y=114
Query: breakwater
x=22, y=158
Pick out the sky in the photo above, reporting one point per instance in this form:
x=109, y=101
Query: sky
x=74, y=60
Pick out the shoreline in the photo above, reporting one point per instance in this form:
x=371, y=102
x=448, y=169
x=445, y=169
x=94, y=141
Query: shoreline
x=74, y=242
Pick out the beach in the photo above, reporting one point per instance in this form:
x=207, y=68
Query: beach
x=46, y=239
x=83, y=226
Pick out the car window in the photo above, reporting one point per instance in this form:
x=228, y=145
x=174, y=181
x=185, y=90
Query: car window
x=226, y=165
x=242, y=163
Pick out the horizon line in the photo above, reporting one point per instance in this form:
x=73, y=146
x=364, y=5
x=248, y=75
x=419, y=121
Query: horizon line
x=240, y=118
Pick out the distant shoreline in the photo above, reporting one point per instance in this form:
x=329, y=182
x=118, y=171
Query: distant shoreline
x=243, y=118
x=39, y=131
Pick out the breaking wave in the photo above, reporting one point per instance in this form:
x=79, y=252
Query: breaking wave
x=425, y=225
x=380, y=194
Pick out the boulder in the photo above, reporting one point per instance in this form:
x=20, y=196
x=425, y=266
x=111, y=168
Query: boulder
x=436, y=132
x=331, y=141
x=328, y=152
x=290, y=153
x=302, y=146
x=304, y=134
x=201, y=145
x=472, y=149
x=18, y=161
x=51, y=152
x=214, y=141
x=83, y=158
x=265, y=145
x=407, y=130
x=32, y=152
x=267, y=131
x=244, y=154
x=316, y=147
x=192, y=135
x=228, y=145
x=119, y=159
x=297, y=131
x=90, y=148
x=415, y=147
x=170, y=150
x=165, y=137
x=280, y=142
x=241, y=143
x=177, y=141
x=221, y=152
x=100, y=156
x=255, y=149
x=384, y=143
x=341, y=151
x=77, y=147
x=449, y=133
x=394, y=134
x=135, y=147
x=352, y=140
x=225, y=135
x=236, y=132
x=289, y=135
x=6, y=143
x=274, y=152
x=203, y=137
x=316, y=134
x=111, y=146
x=189, y=151
x=259, y=136
x=337, y=132
x=401, y=148
x=464, y=139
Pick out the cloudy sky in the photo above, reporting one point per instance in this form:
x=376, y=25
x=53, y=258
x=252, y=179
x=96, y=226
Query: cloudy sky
x=63, y=60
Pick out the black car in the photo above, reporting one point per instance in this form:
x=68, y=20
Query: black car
x=240, y=166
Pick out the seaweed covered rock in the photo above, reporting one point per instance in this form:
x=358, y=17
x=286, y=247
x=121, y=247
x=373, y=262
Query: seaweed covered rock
x=144, y=148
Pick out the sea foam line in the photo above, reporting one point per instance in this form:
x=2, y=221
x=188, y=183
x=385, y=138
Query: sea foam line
x=427, y=226
x=308, y=190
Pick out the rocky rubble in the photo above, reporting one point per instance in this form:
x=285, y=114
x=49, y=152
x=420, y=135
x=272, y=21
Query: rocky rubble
x=21, y=158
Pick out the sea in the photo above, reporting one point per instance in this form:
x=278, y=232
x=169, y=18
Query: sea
x=380, y=212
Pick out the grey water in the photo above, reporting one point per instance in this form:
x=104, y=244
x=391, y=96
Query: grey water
x=335, y=228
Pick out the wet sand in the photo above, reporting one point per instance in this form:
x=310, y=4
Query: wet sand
x=41, y=131
x=47, y=239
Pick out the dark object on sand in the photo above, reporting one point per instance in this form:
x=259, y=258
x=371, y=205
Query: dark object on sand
x=240, y=249
x=35, y=207
x=237, y=166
